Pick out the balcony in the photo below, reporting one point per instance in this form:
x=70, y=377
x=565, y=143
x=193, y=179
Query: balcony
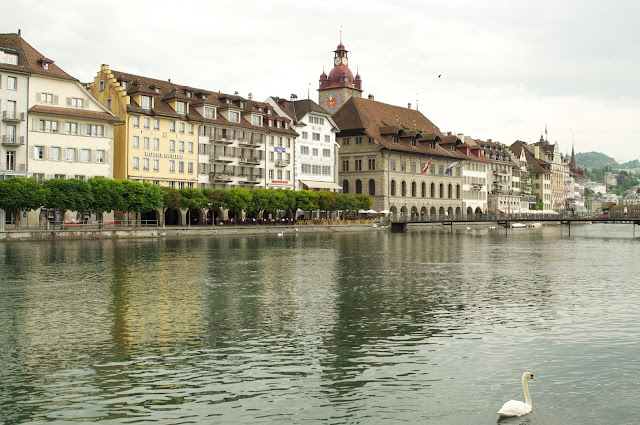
x=220, y=177
x=12, y=116
x=250, y=143
x=221, y=158
x=282, y=162
x=249, y=161
x=249, y=179
x=217, y=138
x=12, y=141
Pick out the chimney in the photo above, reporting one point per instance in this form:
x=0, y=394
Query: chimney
x=488, y=140
x=371, y=97
x=19, y=32
x=293, y=96
x=250, y=96
x=409, y=105
x=235, y=93
x=448, y=133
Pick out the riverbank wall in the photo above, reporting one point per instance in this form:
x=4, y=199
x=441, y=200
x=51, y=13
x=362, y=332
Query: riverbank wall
x=158, y=232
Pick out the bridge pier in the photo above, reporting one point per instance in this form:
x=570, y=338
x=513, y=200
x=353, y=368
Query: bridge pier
x=398, y=227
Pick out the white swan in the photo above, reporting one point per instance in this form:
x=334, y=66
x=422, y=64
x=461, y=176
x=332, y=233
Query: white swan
x=281, y=233
x=518, y=408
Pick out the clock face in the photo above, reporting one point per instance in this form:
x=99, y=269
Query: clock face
x=332, y=102
x=337, y=61
x=344, y=61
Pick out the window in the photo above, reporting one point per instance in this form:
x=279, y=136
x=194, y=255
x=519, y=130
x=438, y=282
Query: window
x=156, y=165
x=59, y=176
x=372, y=187
x=109, y=103
x=234, y=116
x=75, y=102
x=172, y=126
x=315, y=151
x=280, y=141
x=181, y=127
x=190, y=128
x=48, y=126
x=190, y=147
x=304, y=150
x=136, y=142
x=403, y=166
x=156, y=124
x=181, y=166
x=100, y=156
x=393, y=188
x=94, y=130
x=85, y=155
x=256, y=120
x=190, y=167
x=372, y=163
x=210, y=113
x=345, y=165
x=146, y=121
x=345, y=141
x=172, y=145
x=71, y=154
x=135, y=163
x=11, y=161
x=359, y=140
x=12, y=83
x=79, y=177
x=181, y=107
x=39, y=177
x=145, y=143
x=270, y=156
x=136, y=121
x=326, y=152
x=156, y=144
x=124, y=84
x=315, y=136
x=392, y=165
x=145, y=164
x=358, y=166
x=271, y=174
x=11, y=133
x=46, y=98
x=71, y=128
x=172, y=166
x=271, y=139
x=327, y=139
x=145, y=102
x=11, y=58
x=181, y=146
x=101, y=85
x=38, y=152
x=305, y=135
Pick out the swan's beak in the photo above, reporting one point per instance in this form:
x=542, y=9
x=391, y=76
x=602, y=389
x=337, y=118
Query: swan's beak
x=533, y=377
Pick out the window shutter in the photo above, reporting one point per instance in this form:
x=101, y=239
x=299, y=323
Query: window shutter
x=68, y=101
x=93, y=155
x=35, y=124
x=46, y=152
x=38, y=97
x=55, y=99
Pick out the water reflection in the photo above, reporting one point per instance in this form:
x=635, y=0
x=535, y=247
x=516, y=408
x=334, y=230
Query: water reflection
x=346, y=328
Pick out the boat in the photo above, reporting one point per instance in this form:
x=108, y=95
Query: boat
x=517, y=225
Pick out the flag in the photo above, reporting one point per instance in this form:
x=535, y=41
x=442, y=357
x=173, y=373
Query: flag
x=450, y=168
x=425, y=167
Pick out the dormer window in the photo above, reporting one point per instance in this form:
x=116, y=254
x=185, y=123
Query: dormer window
x=268, y=111
x=256, y=120
x=181, y=107
x=234, y=116
x=124, y=85
x=189, y=95
x=145, y=102
x=209, y=112
x=10, y=58
x=157, y=90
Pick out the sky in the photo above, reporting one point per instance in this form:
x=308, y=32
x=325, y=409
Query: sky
x=491, y=69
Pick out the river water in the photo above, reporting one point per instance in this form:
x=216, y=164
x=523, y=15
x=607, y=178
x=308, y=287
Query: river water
x=345, y=328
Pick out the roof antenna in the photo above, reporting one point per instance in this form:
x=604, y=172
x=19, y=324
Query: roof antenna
x=417, y=109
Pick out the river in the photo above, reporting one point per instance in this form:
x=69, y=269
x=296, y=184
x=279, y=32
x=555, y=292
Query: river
x=424, y=327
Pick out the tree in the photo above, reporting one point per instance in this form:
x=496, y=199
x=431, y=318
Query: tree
x=170, y=199
x=141, y=197
x=237, y=199
x=106, y=195
x=306, y=200
x=68, y=195
x=191, y=199
x=216, y=200
x=364, y=201
x=351, y=203
x=327, y=201
x=21, y=194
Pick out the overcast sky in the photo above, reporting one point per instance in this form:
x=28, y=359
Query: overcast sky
x=508, y=68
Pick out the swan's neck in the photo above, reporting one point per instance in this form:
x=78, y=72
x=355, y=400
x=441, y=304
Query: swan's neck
x=525, y=387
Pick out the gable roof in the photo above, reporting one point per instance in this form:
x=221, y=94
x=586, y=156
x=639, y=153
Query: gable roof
x=29, y=59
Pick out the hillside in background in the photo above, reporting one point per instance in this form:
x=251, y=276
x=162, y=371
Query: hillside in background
x=599, y=160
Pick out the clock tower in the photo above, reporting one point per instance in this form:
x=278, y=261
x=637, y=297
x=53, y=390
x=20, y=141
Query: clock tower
x=340, y=85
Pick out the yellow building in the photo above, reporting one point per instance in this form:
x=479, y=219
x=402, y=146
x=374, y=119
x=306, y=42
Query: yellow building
x=158, y=141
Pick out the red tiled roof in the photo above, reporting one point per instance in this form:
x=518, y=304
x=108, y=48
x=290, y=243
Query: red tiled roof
x=73, y=112
x=29, y=59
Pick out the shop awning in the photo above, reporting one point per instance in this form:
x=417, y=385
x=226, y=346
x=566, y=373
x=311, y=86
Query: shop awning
x=320, y=185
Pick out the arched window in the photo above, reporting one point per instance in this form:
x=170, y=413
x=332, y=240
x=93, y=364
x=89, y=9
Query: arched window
x=345, y=186
x=441, y=190
x=358, y=186
x=433, y=190
x=372, y=187
x=393, y=188
x=424, y=190
x=404, y=188
x=450, y=192
x=458, y=191
x=413, y=189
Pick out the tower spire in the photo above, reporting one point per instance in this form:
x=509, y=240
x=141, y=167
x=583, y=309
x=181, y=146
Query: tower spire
x=340, y=34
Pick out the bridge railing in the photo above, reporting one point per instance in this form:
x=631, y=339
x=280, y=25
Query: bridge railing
x=514, y=217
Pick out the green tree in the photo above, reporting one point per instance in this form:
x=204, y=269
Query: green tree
x=106, y=195
x=237, y=200
x=68, y=195
x=216, y=201
x=192, y=198
x=365, y=201
x=327, y=201
x=306, y=200
x=141, y=197
x=170, y=199
x=350, y=202
x=21, y=194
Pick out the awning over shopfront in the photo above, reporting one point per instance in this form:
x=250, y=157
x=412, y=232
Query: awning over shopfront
x=320, y=185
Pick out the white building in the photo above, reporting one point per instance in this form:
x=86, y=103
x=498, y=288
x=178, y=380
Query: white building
x=316, y=150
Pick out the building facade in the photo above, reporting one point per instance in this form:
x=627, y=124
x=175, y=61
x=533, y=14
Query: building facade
x=340, y=85
x=316, y=150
